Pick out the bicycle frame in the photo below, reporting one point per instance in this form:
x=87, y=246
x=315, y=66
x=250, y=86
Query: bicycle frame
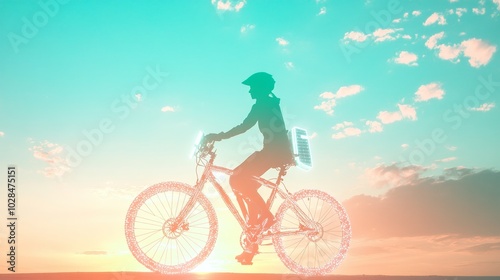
x=208, y=175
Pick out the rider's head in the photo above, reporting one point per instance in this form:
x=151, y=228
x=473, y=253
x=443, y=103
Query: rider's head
x=261, y=84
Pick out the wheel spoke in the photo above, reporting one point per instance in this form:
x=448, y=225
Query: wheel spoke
x=161, y=215
x=149, y=234
x=314, y=248
x=160, y=244
x=326, y=215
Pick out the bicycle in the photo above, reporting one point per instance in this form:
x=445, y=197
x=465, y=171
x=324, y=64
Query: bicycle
x=172, y=227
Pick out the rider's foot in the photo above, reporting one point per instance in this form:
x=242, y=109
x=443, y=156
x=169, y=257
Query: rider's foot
x=245, y=258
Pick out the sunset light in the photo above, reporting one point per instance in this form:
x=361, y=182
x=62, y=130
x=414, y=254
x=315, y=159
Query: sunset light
x=272, y=139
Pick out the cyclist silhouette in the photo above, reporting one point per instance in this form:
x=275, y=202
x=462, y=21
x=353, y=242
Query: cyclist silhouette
x=276, y=152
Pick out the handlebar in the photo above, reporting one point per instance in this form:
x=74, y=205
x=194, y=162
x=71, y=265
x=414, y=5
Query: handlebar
x=205, y=148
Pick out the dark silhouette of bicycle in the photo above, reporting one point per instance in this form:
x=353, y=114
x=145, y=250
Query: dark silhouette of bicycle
x=172, y=227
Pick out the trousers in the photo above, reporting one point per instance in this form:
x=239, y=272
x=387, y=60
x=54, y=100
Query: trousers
x=242, y=184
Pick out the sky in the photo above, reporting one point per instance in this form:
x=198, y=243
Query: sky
x=101, y=99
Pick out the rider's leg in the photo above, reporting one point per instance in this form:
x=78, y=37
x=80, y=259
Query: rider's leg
x=242, y=184
x=251, y=215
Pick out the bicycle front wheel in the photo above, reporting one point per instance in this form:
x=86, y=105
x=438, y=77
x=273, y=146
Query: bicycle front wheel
x=161, y=244
x=312, y=233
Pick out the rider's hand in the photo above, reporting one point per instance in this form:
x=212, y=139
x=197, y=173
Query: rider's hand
x=213, y=137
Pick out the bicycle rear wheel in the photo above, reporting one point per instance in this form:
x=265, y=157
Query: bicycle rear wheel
x=313, y=247
x=153, y=236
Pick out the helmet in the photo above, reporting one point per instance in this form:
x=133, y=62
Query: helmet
x=260, y=79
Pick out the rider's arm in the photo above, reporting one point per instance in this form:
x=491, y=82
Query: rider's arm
x=247, y=123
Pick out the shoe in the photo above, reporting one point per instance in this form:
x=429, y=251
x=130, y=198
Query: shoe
x=245, y=258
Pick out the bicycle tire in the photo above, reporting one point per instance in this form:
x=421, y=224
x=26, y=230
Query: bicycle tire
x=330, y=237
x=150, y=217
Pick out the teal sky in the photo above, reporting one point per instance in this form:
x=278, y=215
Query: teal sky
x=60, y=79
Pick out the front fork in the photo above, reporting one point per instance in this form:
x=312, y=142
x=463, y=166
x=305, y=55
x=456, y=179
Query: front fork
x=198, y=188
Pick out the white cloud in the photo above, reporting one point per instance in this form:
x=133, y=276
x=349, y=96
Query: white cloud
x=346, y=129
x=138, y=96
x=407, y=111
x=478, y=51
x=497, y=2
x=435, y=18
x=328, y=105
x=289, y=65
x=407, y=58
x=327, y=95
x=51, y=154
x=352, y=131
x=460, y=11
x=389, y=117
x=429, y=91
x=322, y=11
x=355, y=36
x=228, y=5
x=432, y=41
x=450, y=53
x=384, y=34
x=167, y=109
x=405, y=146
x=338, y=135
x=374, y=126
x=396, y=20
x=342, y=125
x=416, y=13
x=448, y=159
x=379, y=35
x=223, y=6
x=246, y=28
x=479, y=11
x=282, y=41
x=2, y=133
x=348, y=91
x=347, y=132
x=239, y=6
x=485, y=107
